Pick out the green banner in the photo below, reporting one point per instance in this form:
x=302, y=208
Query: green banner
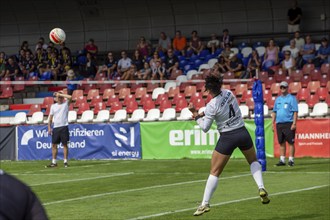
x=184, y=139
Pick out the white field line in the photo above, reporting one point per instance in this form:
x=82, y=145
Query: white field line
x=137, y=189
x=227, y=202
x=82, y=179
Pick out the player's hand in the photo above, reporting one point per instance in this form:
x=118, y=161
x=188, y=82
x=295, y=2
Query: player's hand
x=191, y=108
x=50, y=132
x=293, y=127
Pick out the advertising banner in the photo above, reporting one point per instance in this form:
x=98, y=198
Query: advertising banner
x=312, y=139
x=87, y=141
x=184, y=139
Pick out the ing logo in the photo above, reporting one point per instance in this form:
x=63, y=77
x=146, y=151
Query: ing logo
x=26, y=137
x=125, y=137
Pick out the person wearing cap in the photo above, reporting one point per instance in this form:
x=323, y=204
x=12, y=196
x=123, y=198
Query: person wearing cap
x=323, y=54
x=285, y=114
x=60, y=131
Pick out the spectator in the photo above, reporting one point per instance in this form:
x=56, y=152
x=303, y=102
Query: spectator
x=63, y=47
x=213, y=44
x=323, y=54
x=124, y=65
x=27, y=66
x=226, y=39
x=226, y=52
x=25, y=47
x=158, y=72
x=53, y=48
x=18, y=201
x=65, y=58
x=308, y=51
x=164, y=42
x=130, y=73
x=289, y=63
x=235, y=65
x=285, y=115
x=110, y=66
x=143, y=47
x=253, y=64
x=41, y=44
x=195, y=44
x=54, y=65
x=90, y=69
x=294, y=17
x=271, y=55
x=221, y=65
x=12, y=69
x=145, y=72
x=300, y=42
x=180, y=43
x=293, y=49
x=137, y=60
x=171, y=63
x=71, y=77
x=2, y=64
x=21, y=56
x=40, y=61
x=91, y=48
x=154, y=59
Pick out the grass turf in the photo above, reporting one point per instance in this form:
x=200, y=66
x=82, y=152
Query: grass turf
x=172, y=189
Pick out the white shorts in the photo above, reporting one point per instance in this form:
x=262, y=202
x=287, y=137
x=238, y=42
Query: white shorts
x=293, y=28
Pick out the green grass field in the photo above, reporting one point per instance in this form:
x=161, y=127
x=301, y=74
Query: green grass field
x=172, y=189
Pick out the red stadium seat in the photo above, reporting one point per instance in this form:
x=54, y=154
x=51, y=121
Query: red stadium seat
x=275, y=88
x=263, y=76
x=296, y=75
x=160, y=98
x=104, y=87
x=148, y=104
x=325, y=68
x=173, y=91
x=196, y=96
x=190, y=90
x=115, y=106
x=112, y=99
x=315, y=75
x=270, y=102
x=294, y=87
x=164, y=105
x=178, y=97
x=135, y=86
x=34, y=108
x=240, y=88
x=151, y=86
x=81, y=99
x=19, y=87
x=313, y=86
x=123, y=92
x=312, y=100
x=139, y=92
x=99, y=106
x=266, y=94
x=327, y=99
x=246, y=94
x=76, y=94
x=305, y=80
x=280, y=76
x=95, y=100
x=119, y=86
x=7, y=92
x=322, y=93
x=180, y=104
x=250, y=103
x=144, y=98
x=92, y=93
x=175, y=74
x=324, y=80
x=107, y=93
x=269, y=82
x=131, y=106
x=308, y=68
x=48, y=101
x=303, y=94
x=128, y=98
x=198, y=103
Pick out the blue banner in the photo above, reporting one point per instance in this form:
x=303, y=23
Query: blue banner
x=87, y=141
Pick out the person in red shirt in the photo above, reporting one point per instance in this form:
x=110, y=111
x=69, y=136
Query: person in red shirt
x=91, y=48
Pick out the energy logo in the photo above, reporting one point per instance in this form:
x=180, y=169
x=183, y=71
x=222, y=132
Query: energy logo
x=26, y=137
x=125, y=137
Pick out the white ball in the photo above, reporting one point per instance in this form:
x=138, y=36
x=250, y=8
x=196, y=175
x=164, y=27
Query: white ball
x=57, y=36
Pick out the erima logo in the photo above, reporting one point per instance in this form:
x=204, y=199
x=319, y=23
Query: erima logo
x=122, y=138
x=26, y=137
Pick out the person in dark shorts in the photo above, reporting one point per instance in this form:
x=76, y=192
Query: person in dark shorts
x=18, y=201
x=224, y=110
x=285, y=115
x=60, y=132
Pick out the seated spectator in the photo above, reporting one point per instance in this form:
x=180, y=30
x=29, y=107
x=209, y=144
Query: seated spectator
x=110, y=66
x=124, y=65
x=271, y=55
x=293, y=49
x=221, y=64
x=71, y=77
x=213, y=44
x=65, y=58
x=91, y=48
x=40, y=61
x=180, y=43
x=308, y=51
x=171, y=62
x=154, y=59
x=226, y=39
x=254, y=64
x=2, y=64
x=289, y=63
x=300, y=42
x=27, y=65
x=235, y=65
x=137, y=60
x=21, y=56
x=53, y=48
x=226, y=52
x=12, y=69
x=54, y=65
x=41, y=44
x=90, y=69
x=144, y=73
x=25, y=46
x=158, y=72
x=195, y=44
x=323, y=54
x=63, y=47
x=143, y=47
x=130, y=73
x=164, y=42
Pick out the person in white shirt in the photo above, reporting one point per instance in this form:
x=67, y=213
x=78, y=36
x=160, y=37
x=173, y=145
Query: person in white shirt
x=289, y=63
x=224, y=110
x=60, y=132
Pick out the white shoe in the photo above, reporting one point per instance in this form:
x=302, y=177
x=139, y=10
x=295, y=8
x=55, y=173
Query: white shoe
x=201, y=209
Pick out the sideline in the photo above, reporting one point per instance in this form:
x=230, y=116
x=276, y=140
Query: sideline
x=227, y=202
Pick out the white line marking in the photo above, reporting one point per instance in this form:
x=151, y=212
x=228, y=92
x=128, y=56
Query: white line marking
x=82, y=179
x=137, y=189
x=227, y=202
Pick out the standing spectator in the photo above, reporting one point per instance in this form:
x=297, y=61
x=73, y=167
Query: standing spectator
x=180, y=43
x=60, y=132
x=164, y=42
x=195, y=44
x=294, y=17
x=143, y=47
x=285, y=115
x=124, y=65
x=12, y=69
x=171, y=63
x=289, y=63
x=91, y=48
x=254, y=64
x=213, y=44
x=137, y=60
x=308, y=51
x=271, y=55
x=300, y=42
x=110, y=65
x=18, y=201
x=226, y=38
x=323, y=54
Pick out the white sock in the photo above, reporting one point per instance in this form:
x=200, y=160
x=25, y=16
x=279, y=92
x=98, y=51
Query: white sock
x=290, y=158
x=211, y=186
x=257, y=174
x=65, y=161
x=54, y=161
x=282, y=158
